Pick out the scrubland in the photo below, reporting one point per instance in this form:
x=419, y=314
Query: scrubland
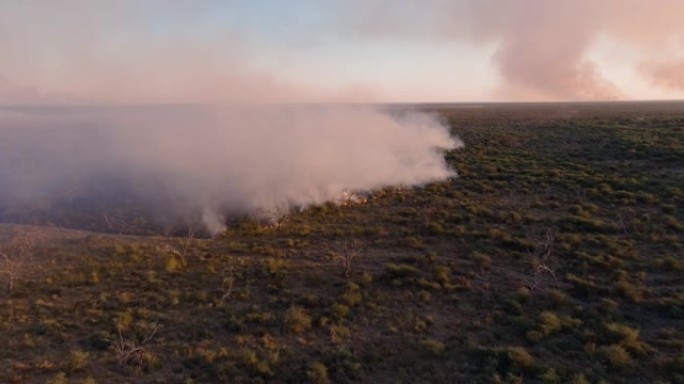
x=556, y=256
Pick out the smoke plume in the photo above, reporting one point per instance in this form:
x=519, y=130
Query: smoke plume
x=668, y=74
x=541, y=49
x=544, y=47
x=192, y=162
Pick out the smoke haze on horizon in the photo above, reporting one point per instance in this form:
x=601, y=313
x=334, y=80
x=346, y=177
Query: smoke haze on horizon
x=152, y=51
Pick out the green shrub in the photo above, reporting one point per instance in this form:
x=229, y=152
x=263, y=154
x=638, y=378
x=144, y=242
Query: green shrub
x=425, y=296
x=481, y=260
x=549, y=323
x=522, y=294
x=412, y=242
x=442, y=274
x=670, y=263
x=432, y=346
x=625, y=336
x=76, y=361
x=435, y=228
x=366, y=279
x=671, y=222
x=627, y=290
x=520, y=357
x=550, y=376
x=352, y=295
x=297, y=320
x=59, y=378
x=339, y=311
x=272, y=266
x=257, y=365
x=401, y=271
x=173, y=264
x=338, y=333
x=622, y=333
x=558, y=298
x=616, y=355
x=534, y=336
x=317, y=373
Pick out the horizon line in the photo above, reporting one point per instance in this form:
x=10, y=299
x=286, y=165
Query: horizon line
x=350, y=103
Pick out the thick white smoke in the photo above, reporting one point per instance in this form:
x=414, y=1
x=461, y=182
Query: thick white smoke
x=211, y=162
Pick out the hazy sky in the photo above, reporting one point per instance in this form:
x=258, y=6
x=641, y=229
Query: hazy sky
x=177, y=51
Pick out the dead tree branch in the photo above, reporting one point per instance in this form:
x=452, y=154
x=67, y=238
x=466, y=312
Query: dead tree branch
x=346, y=252
x=12, y=256
x=227, y=284
x=180, y=246
x=131, y=353
x=541, y=260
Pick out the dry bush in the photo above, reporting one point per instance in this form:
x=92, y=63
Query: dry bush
x=134, y=353
x=345, y=252
x=542, y=260
x=13, y=257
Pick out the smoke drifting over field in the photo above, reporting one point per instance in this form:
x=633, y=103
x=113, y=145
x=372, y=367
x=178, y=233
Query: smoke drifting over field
x=187, y=163
x=546, y=50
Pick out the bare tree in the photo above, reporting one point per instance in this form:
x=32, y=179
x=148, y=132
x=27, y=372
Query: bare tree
x=345, y=252
x=180, y=246
x=12, y=256
x=130, y=352
x=541, y=259
x=227, y=284
x=9, y=268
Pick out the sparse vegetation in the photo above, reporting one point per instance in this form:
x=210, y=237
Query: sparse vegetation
x=556, y=256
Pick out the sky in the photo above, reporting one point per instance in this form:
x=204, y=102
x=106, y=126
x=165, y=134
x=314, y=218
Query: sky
x=273, y=51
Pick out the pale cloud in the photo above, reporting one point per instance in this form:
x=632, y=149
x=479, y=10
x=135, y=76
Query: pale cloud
x=180, y=51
